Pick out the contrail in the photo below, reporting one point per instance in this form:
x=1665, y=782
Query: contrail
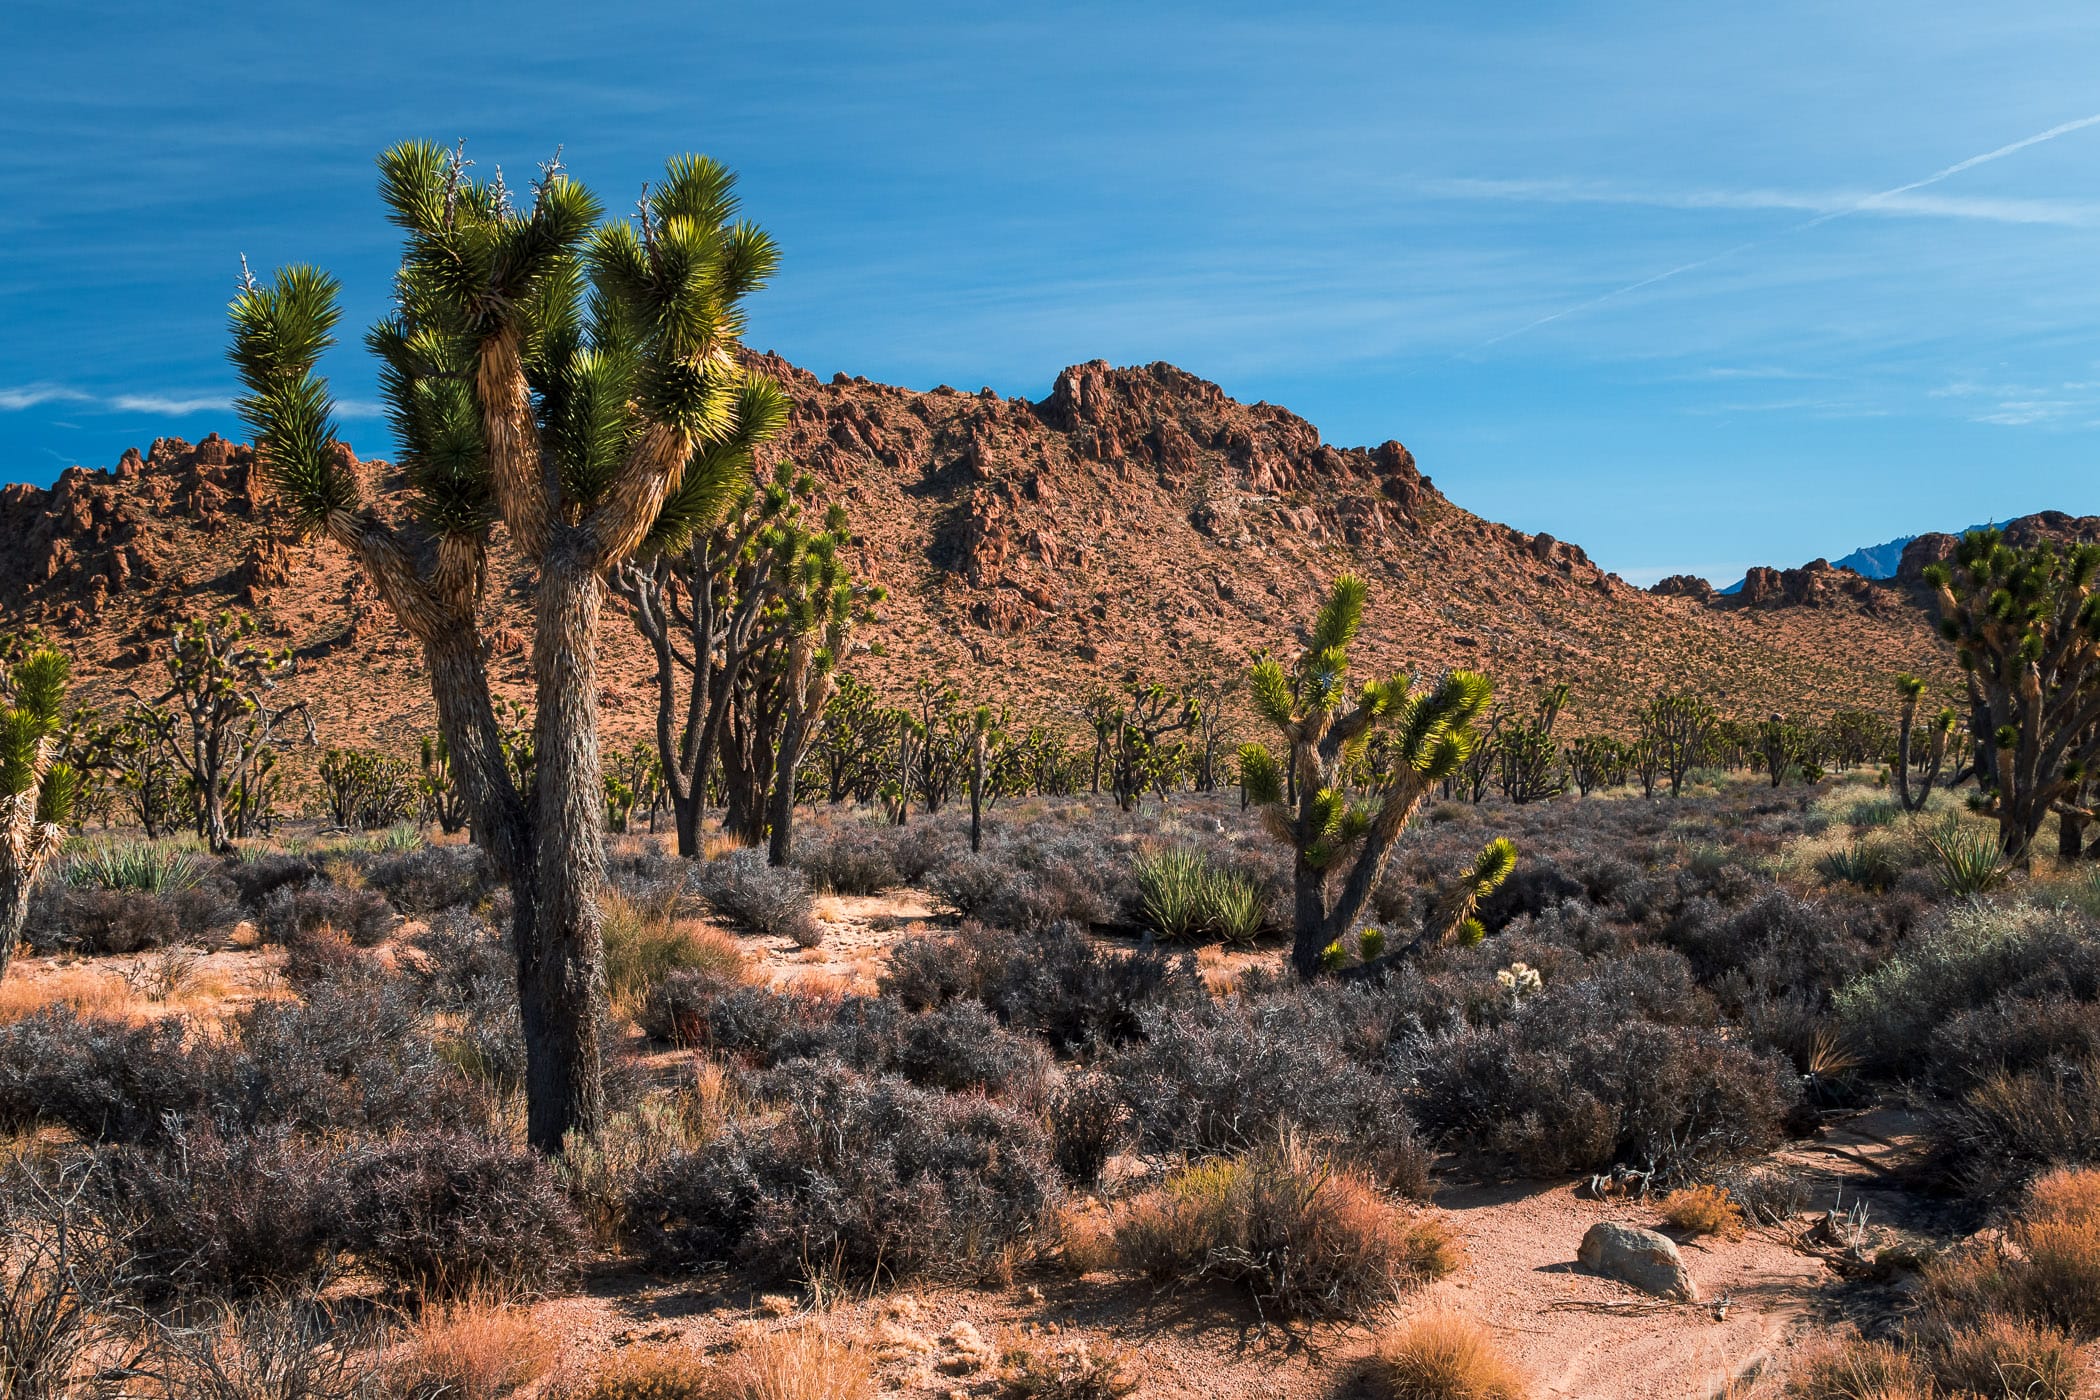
x=1868, y=202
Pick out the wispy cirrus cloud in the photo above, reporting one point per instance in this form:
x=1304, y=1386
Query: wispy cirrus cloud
x=1910, y=204
x=21, y=397
x=14, y=400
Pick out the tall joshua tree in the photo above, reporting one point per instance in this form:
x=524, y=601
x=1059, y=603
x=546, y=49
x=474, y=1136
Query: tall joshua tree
x=576, y=380
x=2025, y=624
x=1429, y=731
x=36, y=788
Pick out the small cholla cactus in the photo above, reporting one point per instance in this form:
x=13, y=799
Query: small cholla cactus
x=1520, y=980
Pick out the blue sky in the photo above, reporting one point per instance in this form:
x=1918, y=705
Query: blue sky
x=1436, y=222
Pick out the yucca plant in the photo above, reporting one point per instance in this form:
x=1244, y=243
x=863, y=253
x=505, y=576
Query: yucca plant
x=1172, y=891
x=1871, y=865
x=1969, y=862
x=1428, y=733
x=36, y=789
x=137, y=865
x=577, y=380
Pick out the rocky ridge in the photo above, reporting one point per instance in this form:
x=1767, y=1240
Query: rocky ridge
x=1133, y=522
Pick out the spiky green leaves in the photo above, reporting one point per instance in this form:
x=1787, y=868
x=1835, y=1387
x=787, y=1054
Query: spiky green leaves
x=279, y=333
x=35, y=689
x=1260, y=775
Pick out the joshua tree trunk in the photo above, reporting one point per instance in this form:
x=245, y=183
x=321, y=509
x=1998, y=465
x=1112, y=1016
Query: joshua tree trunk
x=557, y=929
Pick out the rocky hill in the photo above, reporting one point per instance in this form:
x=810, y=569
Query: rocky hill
x=1133, y=522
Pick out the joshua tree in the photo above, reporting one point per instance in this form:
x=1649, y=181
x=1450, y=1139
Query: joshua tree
x=987, y=727
x=1674, y=729
x=858, y=735
x=1783, y=744
x=219, y=679
x=574, y=380
x=36, y=787
x=1137, y=737
x=1527, y=761
x=2025, y=624
x=1597, y=760
x=1914, y=793
x=1430, y=732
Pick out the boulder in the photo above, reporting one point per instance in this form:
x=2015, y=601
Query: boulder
x=1643, y=1258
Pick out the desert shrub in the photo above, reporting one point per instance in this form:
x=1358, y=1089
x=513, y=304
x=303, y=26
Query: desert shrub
x=1703, y=1210
x=1089, y=1123
x=648, y=1371
x=1033, y=878
x=60, y=1273
x=702, y=1008
x=1767, y=1195
x=355, y=1053
x=1300, y=1233
x=473, y=1349
x=430, y=878
x=1535, y=886
x=916, y=850
x=105, y=1080
x=2044, y=1269
x=1230, y=1074
x=446, y=1213
x=1579, y=1079
x=294, y=1346
x=1066, y=1368
x=760, y=898
x=971, y=882
x=220, y=1214
x=361, y=916
x=856, y=1176
x=958, y=1048
x=458, y=951
x=851, y=858
x=1983, y=953
x=258, y=875
x=119, y=920
x=1074, y=993
x=1439, y=1356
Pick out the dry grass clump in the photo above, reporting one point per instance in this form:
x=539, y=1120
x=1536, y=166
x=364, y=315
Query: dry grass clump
x=1300, y=1232
x=472, y=1350
x=1086, y=1239
x=649, y=1371
x=645, y=942
x=1855, y=1369
x=2047, y=1270
x=2007, y=1357
x=807, y=1362
x=1070, y=1368
x=1439, y=1356
x=85, y=991
x=1703, y=1210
